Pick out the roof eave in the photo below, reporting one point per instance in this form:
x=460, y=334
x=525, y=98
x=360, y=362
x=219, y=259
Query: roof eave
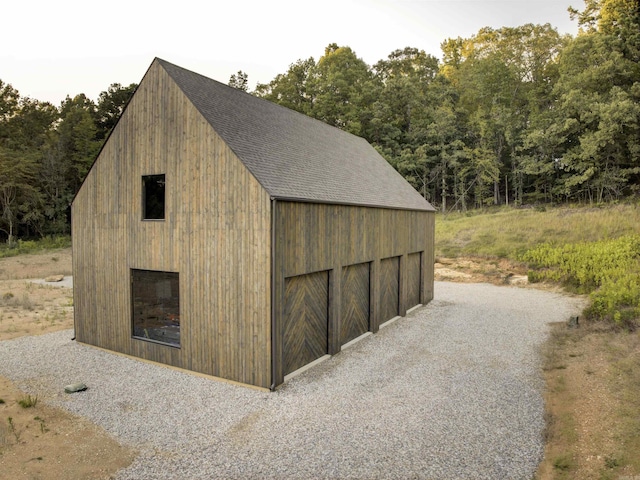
x=428, y=208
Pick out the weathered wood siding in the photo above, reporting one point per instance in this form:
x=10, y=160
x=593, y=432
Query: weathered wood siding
x=318, y=237
x=216, y=234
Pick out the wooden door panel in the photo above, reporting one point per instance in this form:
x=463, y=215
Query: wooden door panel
x=355, y=301
x=305, y=319
x=413, y=279
x=389, y=288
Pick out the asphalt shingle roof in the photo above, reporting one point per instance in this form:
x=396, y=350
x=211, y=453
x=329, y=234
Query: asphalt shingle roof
x=293, y=156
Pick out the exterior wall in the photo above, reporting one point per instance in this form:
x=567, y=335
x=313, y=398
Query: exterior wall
x=318, y=237
x=216, y=234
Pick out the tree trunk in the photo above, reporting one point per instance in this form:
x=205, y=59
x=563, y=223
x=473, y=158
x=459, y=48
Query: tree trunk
x=444, y=194
x=506, y=189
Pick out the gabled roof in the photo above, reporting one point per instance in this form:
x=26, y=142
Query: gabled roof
x=295, y=157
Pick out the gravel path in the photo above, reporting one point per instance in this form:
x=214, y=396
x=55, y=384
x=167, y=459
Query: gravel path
x=451, y=391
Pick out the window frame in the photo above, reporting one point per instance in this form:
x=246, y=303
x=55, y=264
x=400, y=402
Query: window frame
x=145, y=192
x=166, y=312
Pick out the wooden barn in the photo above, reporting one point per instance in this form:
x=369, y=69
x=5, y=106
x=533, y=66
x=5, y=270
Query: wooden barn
x=224, y=234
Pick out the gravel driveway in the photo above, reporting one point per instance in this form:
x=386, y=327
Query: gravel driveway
x=451, y=391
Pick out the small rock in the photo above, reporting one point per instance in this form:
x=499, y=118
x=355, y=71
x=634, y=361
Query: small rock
x=75, y=387
x=517, y=279
x=54, y=278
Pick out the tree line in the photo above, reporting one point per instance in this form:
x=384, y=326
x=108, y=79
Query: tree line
x=512, y=116
x=45, y=153
x=509, y=116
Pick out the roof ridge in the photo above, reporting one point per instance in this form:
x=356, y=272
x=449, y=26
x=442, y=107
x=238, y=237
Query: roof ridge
x=237, y=91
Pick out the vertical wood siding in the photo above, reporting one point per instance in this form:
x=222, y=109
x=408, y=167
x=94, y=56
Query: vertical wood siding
x=318, y=237
x=216, y=234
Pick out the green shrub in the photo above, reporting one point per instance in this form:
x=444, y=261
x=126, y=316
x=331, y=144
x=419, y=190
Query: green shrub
x=28, y=401
x=618, y=301
x=585, y=266
x=609, y=270
x=33, y=246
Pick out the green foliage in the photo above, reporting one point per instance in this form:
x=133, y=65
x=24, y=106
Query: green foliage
x=291, y=90
x=618, y=300
x=608, y=269
x=239, y=80
x=43, y=427
x=517, y=230
x=341, y=87
x=18, y=194
x=13, y=429
x=45, y=153
x=111, y=104
x=34, y=246
x=9, y=98
x=585, y=266
x=28, y=401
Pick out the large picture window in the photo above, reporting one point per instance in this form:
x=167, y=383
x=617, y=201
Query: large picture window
x=153, y=193
x=156, y=306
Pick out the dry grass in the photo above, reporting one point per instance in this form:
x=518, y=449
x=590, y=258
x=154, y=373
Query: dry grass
x=508, y=232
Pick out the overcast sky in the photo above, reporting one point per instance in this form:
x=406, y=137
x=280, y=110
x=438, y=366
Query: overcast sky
x=50, y=49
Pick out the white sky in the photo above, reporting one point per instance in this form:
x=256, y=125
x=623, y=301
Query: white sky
x=50, y=49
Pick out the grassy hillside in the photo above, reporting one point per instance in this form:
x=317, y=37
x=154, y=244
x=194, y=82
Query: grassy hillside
x=509, y=232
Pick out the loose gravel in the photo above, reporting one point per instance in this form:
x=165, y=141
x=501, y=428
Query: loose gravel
x=454, y=390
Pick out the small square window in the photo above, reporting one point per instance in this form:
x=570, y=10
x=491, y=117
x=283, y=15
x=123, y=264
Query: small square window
x=155, y=299
x=153, y=193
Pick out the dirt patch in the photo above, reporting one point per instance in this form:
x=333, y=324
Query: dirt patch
x=28, y=308
x=56, y=262
x=587, y=435
x=45, y=442
x=41, y=441
x=480, y=270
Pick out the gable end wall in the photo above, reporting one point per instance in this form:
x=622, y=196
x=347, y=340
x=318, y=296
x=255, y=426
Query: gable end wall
x=216, y=235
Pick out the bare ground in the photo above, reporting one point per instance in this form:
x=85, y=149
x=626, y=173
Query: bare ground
x=480, y=270
x=591, y=404
x=41, y=442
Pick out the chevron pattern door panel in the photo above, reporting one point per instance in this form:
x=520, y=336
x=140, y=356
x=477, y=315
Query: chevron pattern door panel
x=389, y=288
x=355, y=301
x=413, y=279
x=306, y=319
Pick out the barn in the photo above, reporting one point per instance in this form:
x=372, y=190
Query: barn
x=224, y=234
